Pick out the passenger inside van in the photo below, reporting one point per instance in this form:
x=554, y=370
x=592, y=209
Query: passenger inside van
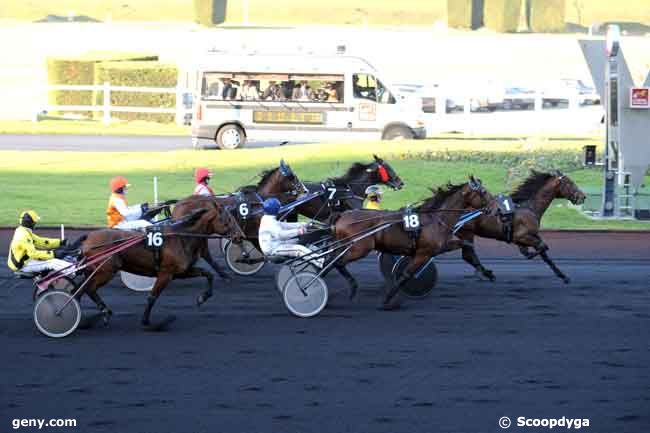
x=303, y=92
x=249, y=91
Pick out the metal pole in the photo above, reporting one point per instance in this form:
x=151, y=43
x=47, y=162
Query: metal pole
x=246, y=12
x=155, y=189
x=107, y=103
x=62, y=232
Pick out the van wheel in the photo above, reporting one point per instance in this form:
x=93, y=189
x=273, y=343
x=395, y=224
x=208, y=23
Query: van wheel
x=398, y=133
x=230, y=137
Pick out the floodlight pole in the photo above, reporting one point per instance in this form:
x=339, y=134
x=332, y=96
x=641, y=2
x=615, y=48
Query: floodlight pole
x=613, y=165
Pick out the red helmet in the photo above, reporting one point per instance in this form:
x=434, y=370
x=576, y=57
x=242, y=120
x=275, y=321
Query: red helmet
x=201, y=173
x=118, y=183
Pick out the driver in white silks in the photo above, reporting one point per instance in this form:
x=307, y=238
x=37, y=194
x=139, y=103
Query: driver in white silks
x=278, y=238
x=119, y=215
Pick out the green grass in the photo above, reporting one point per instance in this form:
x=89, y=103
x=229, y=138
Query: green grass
x=374, y=12
x=90, y=127
x=72, y=187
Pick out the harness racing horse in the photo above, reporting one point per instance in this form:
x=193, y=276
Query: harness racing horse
x=180, y=246
x=246, y=204
x=532, y=198
x=348, y=190
x=435, y=218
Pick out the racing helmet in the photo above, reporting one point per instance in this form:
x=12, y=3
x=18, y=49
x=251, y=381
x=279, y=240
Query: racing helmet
x=29, y=218
x=201, y=173
x=374, y=191
x=119, y=183
x=271, y=206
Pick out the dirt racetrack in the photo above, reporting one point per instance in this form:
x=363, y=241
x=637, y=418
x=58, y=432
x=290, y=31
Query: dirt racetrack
x=525, y=346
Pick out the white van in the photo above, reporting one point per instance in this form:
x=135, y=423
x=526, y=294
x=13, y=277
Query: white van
x=298, y=98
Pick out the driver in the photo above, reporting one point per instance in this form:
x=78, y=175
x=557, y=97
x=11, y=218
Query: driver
x=373, y=197
x=31, y=253
x=119, y=214
x=202, y=177
x=278, y=238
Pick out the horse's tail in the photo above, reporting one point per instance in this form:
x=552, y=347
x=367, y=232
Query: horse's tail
x=76, y=244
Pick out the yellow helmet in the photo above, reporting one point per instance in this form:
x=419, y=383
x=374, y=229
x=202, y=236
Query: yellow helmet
x=28, y=218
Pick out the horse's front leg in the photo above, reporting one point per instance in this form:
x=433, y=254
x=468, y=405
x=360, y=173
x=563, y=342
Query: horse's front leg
x=470, y=256
x=541, y=249
x=207, y=256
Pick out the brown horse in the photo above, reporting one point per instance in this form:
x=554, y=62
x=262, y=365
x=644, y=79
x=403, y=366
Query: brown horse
x=352, y=186
x=279, y=182
x=176, y=259
x=532, y=198
x=436, y=215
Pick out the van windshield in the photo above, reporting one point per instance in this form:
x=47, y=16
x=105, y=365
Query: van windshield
x=240, y=86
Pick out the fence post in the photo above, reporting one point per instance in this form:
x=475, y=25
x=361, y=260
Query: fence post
x=107, y=103
x=180, y=108
x=155, y=189
x=539, y=101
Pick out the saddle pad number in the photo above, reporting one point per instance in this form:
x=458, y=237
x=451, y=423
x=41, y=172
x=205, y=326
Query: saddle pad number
x=243, y=210
x=332, y=192
x=155, y=239
x=506, y=205
x=411, y=222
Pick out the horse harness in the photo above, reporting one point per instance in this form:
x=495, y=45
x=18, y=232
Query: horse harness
x=506, y=209
x=411, y=225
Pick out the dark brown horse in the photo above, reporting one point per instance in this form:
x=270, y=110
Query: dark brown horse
x=351, y=187
x=436, y=215
x=532, y=198
x=279, y=182
x=176, y=259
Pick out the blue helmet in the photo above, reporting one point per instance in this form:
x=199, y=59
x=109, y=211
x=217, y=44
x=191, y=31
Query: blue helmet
x=271, y=206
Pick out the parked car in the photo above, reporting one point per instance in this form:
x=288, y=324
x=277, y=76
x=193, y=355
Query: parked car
x=518, y=98
x=568, y=89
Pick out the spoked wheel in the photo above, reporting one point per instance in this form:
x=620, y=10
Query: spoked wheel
x=284, y=273
x=244, y=258
x=56, y=314
x=305, y=294
x=386, y=263
x=139, y=283
x=421, y=284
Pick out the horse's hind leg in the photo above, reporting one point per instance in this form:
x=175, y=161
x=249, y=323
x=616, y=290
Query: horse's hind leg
x=552, y=265
x=410, y=270
x=161, y=282
x=349, y=278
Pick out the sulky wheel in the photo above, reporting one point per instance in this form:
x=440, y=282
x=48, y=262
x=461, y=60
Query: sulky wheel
x=56, y=313
x=139, y=283
x=305, y=294
x=244, y=258
x=421, y=284
x=284, y=273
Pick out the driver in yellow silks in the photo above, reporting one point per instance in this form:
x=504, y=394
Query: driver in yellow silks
x=31, y=253
x=373, y=197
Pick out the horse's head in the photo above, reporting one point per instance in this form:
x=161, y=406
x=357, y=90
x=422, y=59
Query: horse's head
x=566, y=188
x=280, y=180
x=223, y=223
x=475, y=195
x=380, y=172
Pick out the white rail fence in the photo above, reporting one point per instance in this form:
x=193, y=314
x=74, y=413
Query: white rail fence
x=179, y=110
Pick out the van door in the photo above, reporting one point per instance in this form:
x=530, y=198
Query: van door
x=372, y=102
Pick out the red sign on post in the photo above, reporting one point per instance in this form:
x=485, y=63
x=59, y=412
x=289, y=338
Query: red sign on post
x=640, y=97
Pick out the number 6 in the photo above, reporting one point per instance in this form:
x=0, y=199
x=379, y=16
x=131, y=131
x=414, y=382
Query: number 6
x=243, y=209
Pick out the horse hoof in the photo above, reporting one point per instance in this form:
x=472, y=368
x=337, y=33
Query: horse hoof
x=566, y=280
x=353, y=292
x=200, y=300
x=161, y=326
x=90, y=321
